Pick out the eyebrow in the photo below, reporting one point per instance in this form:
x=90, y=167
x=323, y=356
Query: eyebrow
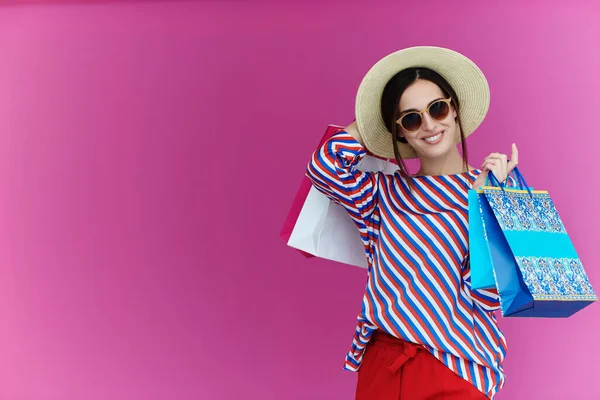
x=414, y=109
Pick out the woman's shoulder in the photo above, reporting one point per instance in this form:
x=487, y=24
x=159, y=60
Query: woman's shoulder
x=474, y=171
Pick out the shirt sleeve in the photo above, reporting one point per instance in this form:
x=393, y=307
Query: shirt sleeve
x=332, y=170
x=487, y=299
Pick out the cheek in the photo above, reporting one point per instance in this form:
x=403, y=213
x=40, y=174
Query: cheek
x=413, y=141
x=451, y=127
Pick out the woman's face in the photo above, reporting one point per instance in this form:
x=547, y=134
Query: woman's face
x=434, y=138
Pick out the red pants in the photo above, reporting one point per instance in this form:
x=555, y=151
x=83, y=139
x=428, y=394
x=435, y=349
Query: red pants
x=393, y=369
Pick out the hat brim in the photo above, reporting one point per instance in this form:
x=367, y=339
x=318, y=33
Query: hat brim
x=463, y=75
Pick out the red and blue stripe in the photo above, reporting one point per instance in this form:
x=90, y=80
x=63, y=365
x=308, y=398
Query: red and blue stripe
x=416, y=242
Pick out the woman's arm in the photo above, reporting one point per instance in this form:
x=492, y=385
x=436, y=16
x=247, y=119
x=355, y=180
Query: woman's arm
x=487, y=299
x=332, y=170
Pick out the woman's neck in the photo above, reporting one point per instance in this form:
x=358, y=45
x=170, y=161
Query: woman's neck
x=449, y=164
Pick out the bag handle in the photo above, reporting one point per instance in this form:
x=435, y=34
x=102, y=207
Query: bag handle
x=491, y=177
x=519, y=177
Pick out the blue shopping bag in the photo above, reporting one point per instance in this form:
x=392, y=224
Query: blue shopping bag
x=482, y=271
x=536, y=267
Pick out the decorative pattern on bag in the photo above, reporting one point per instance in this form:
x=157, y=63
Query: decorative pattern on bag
x=482, y=219
x=556, y=278
x=516, y=211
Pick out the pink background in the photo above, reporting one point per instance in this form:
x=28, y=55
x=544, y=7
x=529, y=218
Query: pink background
x=150, y=151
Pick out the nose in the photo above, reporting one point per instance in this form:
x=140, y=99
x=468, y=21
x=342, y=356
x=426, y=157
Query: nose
x=428, y=123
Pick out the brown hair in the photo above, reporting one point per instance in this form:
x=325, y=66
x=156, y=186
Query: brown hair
x=390, y=107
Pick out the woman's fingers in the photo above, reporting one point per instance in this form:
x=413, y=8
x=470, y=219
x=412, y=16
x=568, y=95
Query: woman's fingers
x=491, y=161
x=499, y=156
x=497, y=167
x=490, y=166
x=514, y=157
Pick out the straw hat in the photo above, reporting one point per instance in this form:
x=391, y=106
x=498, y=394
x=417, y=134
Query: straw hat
x=462, y=74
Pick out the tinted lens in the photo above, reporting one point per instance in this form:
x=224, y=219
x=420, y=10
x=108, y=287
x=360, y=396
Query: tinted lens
x=439, y=110
x=411, y=121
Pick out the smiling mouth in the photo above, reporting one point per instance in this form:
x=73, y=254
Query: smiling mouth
x=434, y=138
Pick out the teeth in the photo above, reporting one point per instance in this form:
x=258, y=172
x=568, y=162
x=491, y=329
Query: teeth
x=434, y=138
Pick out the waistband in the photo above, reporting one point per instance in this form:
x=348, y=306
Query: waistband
x=405, y=350
x=381, y=336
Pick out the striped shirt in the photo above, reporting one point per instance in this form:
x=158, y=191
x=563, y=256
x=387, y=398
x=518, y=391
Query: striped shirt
x=418, y=287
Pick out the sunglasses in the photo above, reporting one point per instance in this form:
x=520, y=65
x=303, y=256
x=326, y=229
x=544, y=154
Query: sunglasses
x=411, y=121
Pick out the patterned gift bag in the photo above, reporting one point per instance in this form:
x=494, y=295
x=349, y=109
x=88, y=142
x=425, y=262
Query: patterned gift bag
x=536, y=268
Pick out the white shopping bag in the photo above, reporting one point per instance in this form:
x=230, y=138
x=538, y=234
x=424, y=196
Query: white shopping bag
x=324, y=228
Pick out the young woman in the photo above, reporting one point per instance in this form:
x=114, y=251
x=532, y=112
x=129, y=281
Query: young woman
x=422, y=332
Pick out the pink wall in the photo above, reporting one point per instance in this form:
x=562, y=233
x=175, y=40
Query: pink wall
x=149, y=153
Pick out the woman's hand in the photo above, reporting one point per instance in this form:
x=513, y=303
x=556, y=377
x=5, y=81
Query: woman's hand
x=499, y=165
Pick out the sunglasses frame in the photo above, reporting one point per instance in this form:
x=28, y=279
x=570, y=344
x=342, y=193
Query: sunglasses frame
x=404, y=114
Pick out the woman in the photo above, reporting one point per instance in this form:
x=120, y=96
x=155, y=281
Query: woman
x=422, y=332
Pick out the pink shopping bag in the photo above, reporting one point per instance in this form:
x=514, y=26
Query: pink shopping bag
x=319, y=227
x=302, y=194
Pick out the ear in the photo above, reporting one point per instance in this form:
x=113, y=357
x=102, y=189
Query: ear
x=454, y=113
